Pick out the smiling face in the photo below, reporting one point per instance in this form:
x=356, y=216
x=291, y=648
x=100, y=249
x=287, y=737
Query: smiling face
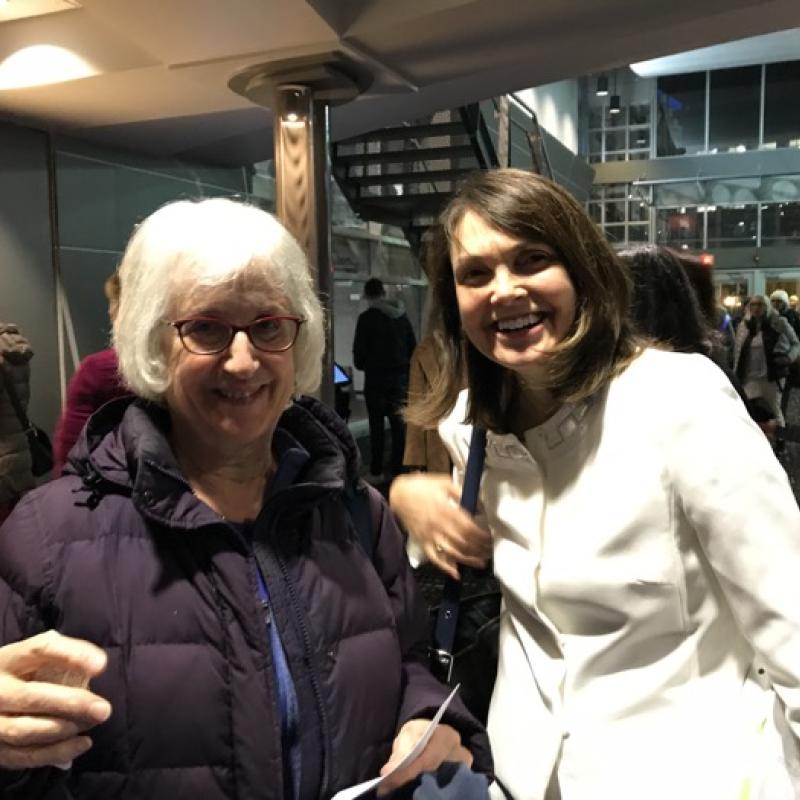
x=230, y=401
x=515, y=297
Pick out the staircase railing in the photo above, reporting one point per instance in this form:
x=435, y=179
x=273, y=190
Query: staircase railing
x=523, y=124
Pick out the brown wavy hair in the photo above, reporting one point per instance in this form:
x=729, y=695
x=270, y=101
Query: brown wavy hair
x=600, y=343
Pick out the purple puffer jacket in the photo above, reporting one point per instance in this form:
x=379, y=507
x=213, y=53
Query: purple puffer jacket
x=124, y=555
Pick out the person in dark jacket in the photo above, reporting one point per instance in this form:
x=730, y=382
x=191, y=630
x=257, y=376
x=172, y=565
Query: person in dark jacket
x=95, y=382
x=198, y=561
x=16, y=476
x=382, y=348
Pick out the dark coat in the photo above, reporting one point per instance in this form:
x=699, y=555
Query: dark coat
x=384, y=341
x=95, y=382
x=16, y=477
x=123, y=554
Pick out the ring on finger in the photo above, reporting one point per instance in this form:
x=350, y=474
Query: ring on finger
x=439, y=548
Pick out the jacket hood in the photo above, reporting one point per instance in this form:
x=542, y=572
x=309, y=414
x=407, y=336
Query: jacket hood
x=14, y=347
x=125, y=448
x=392, y=308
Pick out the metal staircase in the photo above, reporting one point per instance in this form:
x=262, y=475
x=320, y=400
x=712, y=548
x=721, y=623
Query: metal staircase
x=404, y=175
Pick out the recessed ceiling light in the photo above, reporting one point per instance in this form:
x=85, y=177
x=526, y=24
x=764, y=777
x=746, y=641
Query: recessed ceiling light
x=42, y=64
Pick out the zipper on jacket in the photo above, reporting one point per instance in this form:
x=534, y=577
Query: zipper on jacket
x=266, y=610
x=326, y=746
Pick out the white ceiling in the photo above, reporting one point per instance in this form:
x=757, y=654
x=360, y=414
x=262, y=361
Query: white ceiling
x=158, y=70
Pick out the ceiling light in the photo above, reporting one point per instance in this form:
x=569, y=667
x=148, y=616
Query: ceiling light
x=295, y=100
x=42, y=64
x=614, y=104
x=602, y=86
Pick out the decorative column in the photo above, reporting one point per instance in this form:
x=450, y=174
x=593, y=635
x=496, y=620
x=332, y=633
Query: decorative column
x=300, y=93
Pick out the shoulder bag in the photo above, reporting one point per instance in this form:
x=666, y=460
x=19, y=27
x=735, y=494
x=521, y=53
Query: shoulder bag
x=38, y=441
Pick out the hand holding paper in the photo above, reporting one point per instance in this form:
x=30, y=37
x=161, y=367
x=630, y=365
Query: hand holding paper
x=446, y=746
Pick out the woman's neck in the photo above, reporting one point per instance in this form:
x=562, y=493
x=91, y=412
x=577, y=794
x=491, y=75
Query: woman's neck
x=531, y=406
x=233, y=485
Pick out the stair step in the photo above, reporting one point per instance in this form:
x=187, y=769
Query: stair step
x=403, y=132
x=404, y=156
x=411, y=178
x=406, y=206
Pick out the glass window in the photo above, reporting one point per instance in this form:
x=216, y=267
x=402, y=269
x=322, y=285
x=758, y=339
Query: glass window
x=781, y=188
x=680, y=227
x=733, y=191
x=616, y=190
x=615, y=212
x=733, y=226
x=732, y=294
x=638, y=138
x=616, y=120
x=781, y=106
x=595, y=141
x=780, y=222
x=637, y=233
x=637, y=211
x=615, y=233
x=680, y=127
x=615, y=156
x=596, y=117
x=595, y=212
x=679, y=194
x=638, y=155
x=734, y=109
x=615, y=140
x=639, y=114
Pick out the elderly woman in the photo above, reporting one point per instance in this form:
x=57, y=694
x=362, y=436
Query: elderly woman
x=765, y=345
x=650, y=628
x=199, y=560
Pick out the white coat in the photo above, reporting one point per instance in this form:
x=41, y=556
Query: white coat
x=650, y=635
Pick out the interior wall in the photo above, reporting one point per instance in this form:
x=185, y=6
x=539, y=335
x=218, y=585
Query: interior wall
x=27, y=297
x=556, y=107
x=102, y=196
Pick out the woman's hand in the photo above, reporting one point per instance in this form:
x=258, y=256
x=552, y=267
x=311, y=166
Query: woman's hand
x=444, y=745
x=45, y=707
x=427, y=506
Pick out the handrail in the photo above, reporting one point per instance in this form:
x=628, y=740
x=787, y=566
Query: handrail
x=535, y=137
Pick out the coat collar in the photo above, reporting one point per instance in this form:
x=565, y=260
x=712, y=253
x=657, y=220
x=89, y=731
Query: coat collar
x=125, y=449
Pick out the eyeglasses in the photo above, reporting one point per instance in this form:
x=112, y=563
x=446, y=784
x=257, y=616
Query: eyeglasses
x=206, y=336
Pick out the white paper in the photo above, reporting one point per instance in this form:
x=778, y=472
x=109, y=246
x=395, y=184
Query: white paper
x=363, y=788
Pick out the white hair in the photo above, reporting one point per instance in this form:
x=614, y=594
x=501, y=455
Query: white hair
x=202, y=244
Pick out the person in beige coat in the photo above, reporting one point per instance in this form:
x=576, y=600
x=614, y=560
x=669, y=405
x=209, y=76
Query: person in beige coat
x=424, y=449
x=16, y=477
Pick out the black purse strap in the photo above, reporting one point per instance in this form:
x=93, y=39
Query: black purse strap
x=14, y=398
x=444, y=632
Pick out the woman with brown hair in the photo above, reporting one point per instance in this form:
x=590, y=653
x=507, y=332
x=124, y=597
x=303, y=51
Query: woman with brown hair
x=648, y=625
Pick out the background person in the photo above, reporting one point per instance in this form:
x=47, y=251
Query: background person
x=16, y=476
x=424, y=450
x=650, y=628
x=780, y=302
x=665, y=307
x=382, y=347
x=765, y=346
x=200, y=563
x=95, y=382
